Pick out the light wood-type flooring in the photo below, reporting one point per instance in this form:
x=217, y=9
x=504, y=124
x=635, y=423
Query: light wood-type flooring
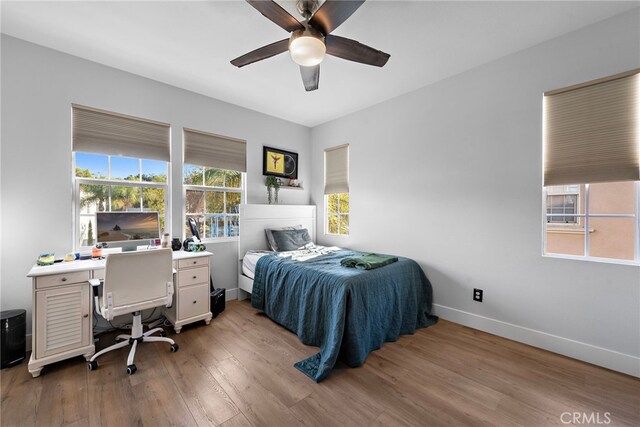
x=239, y=371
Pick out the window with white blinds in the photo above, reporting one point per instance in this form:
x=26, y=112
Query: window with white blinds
x=105, y=132
x=592, y=170
x=213, y=174
x=336, y=170
x=591, y=131
x=214, y=151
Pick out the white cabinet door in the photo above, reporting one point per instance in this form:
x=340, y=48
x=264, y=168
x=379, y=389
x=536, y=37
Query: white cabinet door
x=63, y=319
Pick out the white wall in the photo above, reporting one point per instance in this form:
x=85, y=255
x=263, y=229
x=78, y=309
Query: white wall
x=450, y=175
x=38, y=87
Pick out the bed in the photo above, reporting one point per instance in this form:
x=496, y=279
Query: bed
x=346, y=312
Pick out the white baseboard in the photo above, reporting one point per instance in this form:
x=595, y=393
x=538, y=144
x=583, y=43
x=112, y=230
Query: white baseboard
x=231, y=294
x=610, y=359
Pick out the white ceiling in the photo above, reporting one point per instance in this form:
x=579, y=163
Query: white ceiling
x=189, y=44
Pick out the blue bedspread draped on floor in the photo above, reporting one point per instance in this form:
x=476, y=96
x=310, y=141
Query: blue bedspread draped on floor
x=345, y=311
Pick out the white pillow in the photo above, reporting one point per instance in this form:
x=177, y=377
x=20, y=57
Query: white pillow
x=271, y=242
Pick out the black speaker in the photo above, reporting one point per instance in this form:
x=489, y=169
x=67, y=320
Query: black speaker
x=14, y=330
x=217, y=301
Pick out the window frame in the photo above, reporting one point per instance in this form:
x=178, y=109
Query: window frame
x=77, y=181
x=207, y=188
x=585, y=218
x=339, y=214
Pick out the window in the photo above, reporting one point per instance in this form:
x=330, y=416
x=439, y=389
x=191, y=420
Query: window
x=592, y=169
x=336, y=190
x=212, y=198
x=213, y=174
x=120, y=164
x=562, y=199
x=104, y=183
x=337, y=213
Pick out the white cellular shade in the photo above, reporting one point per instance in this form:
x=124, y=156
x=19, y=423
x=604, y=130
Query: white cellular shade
x=105, y=132
x=592, y=130
x=336, y=170
x=215, y=151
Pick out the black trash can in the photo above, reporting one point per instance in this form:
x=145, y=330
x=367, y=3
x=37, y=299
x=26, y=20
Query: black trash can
x=218, y=301
x=14, y=331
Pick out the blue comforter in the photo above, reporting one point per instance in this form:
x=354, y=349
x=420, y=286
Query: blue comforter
x=345, y=311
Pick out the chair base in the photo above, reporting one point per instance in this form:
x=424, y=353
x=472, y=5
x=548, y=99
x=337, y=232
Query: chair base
x=137, y=336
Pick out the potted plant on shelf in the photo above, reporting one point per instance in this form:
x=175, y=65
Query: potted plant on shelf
x=273, y=186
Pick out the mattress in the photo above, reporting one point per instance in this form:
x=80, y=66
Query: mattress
x=249, y=262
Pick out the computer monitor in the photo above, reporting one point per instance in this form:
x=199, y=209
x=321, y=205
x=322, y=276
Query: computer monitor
x=127, y=226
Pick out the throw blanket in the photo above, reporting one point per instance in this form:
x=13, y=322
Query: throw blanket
x=346, y=312
x=368, y=261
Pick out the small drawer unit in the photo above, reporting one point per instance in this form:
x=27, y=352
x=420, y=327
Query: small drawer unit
x=191, y=297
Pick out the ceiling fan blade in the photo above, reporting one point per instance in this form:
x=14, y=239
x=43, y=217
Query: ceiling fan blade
x=355, y=51
x=332, y=13
x=261, y=53
x=275, y=13
x=310, y=77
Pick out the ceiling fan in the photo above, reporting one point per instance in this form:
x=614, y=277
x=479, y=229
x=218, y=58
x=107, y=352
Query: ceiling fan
x=310, y=40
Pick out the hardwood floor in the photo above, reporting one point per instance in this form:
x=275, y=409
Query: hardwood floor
x=239, y=372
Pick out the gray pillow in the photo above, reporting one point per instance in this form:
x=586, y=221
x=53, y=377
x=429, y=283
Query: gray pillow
x=290, y=240
x=271, y=242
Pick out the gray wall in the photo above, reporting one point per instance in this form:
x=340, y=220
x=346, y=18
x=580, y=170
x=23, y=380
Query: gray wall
x=450, y=175
x=38, y=86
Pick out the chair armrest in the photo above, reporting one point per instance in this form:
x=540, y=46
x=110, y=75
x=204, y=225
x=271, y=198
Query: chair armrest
x=175, y=271
x=94, y=282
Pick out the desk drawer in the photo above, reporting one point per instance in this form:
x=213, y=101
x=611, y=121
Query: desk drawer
x=193, y=301
x=193, y=276
x=61, y=279
x=193, y=262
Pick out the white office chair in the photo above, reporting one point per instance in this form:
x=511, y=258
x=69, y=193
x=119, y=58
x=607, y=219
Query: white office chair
x=135, y=281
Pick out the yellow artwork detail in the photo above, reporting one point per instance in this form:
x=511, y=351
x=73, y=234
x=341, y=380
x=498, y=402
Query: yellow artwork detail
x=275, y=162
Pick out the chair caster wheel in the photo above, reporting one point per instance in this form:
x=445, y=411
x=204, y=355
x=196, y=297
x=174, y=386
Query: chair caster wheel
x=131, y=369
x=163, y=334
x=93, y=365
x=174, y=348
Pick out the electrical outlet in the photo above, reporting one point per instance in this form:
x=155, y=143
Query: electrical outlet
x=477, y=294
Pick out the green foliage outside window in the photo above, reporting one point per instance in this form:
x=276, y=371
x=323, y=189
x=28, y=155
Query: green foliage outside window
x=338, y=214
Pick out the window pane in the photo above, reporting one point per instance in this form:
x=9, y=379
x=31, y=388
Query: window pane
x=332, y=224
x=215, y=202
x=612, y=238
x=344, y=224
x=612, y=197
x=213, y=177
x=153, y=200
x=332, y=203
x=233, y=225
x=154, y=171
x=94, y=198
x=91, y=165
x=125, y=168
x=233, y=179
x=216, y=225
x=124, y=198
x=344, y=202
x=233, y=203
x=193, y=175
x=87, y=235
x=194, y=202
x=565, y=241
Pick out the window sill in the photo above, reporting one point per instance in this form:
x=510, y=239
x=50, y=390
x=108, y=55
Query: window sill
x=593, y=259
x=568, y=230
x=220, y=240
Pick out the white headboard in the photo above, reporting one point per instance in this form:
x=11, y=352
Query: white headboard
x=255, y=218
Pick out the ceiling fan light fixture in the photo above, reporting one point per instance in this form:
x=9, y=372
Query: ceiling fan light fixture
x=307, y=48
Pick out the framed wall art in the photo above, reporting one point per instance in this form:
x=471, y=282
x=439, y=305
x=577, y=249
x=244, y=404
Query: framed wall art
x=280, y=163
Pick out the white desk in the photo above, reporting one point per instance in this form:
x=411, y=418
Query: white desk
x=62, y=320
